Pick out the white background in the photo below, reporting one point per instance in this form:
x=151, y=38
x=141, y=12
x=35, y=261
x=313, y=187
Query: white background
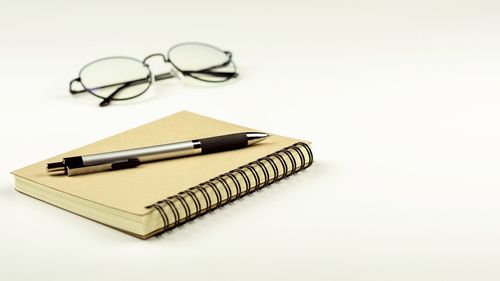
x=400, y=98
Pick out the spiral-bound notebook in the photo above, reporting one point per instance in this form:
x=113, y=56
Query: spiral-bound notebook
x=158, y=196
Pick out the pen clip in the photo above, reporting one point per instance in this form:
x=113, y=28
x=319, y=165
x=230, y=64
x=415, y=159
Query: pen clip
x=129, y=163
x=117, y=165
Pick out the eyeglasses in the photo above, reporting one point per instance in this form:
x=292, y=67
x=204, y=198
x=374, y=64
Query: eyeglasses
x=124, y=78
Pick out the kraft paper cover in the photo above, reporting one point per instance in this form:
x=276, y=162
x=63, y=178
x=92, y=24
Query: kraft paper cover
x=130, y=190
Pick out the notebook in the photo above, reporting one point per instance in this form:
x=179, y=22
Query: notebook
x=156, y=197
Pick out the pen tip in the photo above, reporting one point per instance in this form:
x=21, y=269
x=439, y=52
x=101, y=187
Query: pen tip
x=256, y=137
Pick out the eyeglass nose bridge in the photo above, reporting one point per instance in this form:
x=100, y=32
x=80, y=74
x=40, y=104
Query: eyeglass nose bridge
x=165, y=59
x=161, y=76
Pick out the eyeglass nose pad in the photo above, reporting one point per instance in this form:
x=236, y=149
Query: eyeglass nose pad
x=229, y=54
x=177, y=73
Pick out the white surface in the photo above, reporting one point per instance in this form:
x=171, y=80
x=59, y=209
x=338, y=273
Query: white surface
x=400, y=99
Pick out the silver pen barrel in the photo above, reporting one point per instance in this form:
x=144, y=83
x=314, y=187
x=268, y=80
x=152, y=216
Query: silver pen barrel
x=145, y=154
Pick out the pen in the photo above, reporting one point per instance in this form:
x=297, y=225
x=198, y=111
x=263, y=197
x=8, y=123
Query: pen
x=130, y=158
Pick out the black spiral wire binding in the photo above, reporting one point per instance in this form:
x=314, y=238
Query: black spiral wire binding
x=243, y=171
x=206, y=196
x=255, y=176
x=193, y=197
x=174, y=210
x=213, y=186
x=245, y=178
x=236, y=183
x=283, y=164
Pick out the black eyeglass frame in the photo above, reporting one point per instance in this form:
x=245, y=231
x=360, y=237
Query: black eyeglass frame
x=163, y=76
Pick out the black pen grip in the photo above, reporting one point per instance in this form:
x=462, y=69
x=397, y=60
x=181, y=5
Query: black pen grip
x=223, y=143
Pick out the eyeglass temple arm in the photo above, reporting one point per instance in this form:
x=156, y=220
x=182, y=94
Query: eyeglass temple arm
x=209, y=71
x=106, y=101
x=158, y=77
x=213, y=73
x=162, y=76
